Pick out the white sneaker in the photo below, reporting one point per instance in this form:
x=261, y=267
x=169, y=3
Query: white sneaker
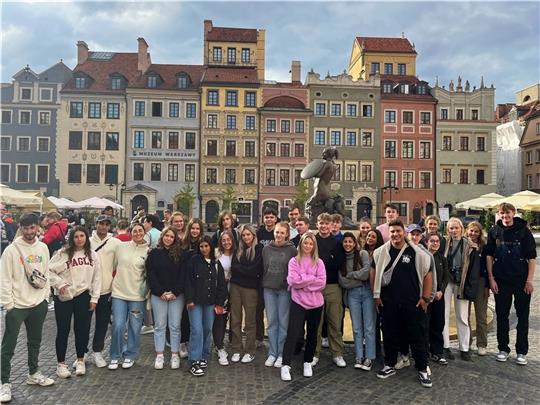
x=175, y=361
x=183, y=351
x=325, y=343
x=482, y=351
x=286, y=373
x=39, y=379
x=5, y=393
x=113, y=365
x=521, y=359
x=99, y=360
x=279, y=362
x=403, y=361
x=128, y=363
x=314, y=361
x=339, y=361
x=80, y=368
x=247, y=358
x=76, y=360
x=62, y=370
x=502, y=356
x=270, y=361
x=222, y=357
x=235, y=357
x=145, y=330
x=158, y=363
x=308, y=370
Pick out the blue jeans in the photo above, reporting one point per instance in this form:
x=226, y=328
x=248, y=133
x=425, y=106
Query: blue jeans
x=363, y=315
x=167, y=313
x=277, y=304
x=201, y=320
x=132, y=313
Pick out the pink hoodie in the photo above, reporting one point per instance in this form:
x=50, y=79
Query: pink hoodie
x=306, y=282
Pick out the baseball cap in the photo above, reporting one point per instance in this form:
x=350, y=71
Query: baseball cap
x=103, y=218
x=414, y=227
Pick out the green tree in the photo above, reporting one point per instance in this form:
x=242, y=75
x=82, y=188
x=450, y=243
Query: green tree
x=302, y=194
x=228, y=197
x=529, y=217
x=185, y=199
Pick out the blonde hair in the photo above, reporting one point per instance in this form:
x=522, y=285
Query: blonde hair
x=481, y=241
x=455, y=220
x=284, y=225
x=314, y=253
x=243, y=249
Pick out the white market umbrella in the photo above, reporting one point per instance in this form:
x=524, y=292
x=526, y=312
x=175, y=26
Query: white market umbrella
x=93, y=202
x=518, y=200
x=479, y=203
x=18, y=198
x=112, y=204
x=532, y=206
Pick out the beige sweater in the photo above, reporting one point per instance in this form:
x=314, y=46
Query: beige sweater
x=106, y=259
x=130, y=281
x=15, y=290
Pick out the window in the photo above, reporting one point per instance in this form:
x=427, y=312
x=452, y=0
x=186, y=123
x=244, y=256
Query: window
x=212, y=121
x=474, y=114
x=230, y=148
x=350, y=172
x=249, y=148
x=299, y=150
x=93, y=141
x=459, y=114
x=529, y=181
x=335, y=138
x=464, y=143
x=299, y=126
x=94, y=110
x=297, y=176
x=211, y=176
x=270, y=177
x=174, y=140
x=481, y=144
x=44, y=118
x=191, y=110
x=537, y=127
x=463, y=176
x=92, y=174
x=390, y=178
x=43, y=144
x=407, y=117
x=367, y=110
x=113, y=111
x=112, y=141
x=447, y=142
x=231, y=121
x=232, y=98
x=5, y=143
x=249, y=176
x=444, y=113
x=335, y=110
x=138, y=139
x=270, y=149
x=366, y=173
x=152, y=81
x=250, y=99
x=350, y=139
x=425, y=180
x=402, y=208
x=140, y=107
x=528, y=157
x=375, y=67
x=480, y=176
x=23, y=144
x=5, y=173
x=390, y=116
x=320, y=109
x=351, y=110
x=250, y=122
x=284, y=150
x=157, y=140
x=157, y=108
x=446, y=176
x=155, y=172
x=387, y=88
x=182, y=81
x=212, y=97
x=425, y=118
x=174, y=110
x=337, y=173
x=320, y=137
x=80, y=82
x=407, y=150
x=537, y=155
x=116, y=83
x=404, y=88
x=230, y=176
x=407, y=179
x=74, y=173
x=231, y=55
x=270, y=125
x=285, y=126
x=189, y=173
x=211, y=147
x=388, y=68
x=421, y=90
x=284, y=177
x=172, y=172
x=217, y=54
x=390, y=149
x=401, y=69
x=245, y=55
x=138, y=171
x=25, y=117
x=367, y=139
x=425, y=150
x=111, y=174
x=190, y=140
x=6, y=116
x=45, y=94
x=75, y=140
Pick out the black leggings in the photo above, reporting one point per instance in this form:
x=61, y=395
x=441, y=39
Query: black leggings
x=298, y=315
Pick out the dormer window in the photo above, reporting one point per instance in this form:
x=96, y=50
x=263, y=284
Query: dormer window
x=387, y=88
x=116, y=83
x=152, y=81
x=421, y=89
x=80, y=82
x=182, y=81
x=404, y=88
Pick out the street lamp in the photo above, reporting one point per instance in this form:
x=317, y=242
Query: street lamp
x=390, y=189
x=122, y=188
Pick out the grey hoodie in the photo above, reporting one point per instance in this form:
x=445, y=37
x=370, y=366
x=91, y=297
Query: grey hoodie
x=355, y=277
x=276, y=264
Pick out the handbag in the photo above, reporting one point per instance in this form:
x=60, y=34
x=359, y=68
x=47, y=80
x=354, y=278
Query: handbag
x=36, y=278
x=387, y=274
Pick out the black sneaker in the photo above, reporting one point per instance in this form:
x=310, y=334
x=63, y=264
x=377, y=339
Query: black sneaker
x=203, y=363
x=196, y=370
x=425, y=379
x=436, y=358
x=386, y=372
x=466, y=356
x=447, y=353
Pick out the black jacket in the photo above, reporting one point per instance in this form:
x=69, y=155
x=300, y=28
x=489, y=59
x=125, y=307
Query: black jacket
x=248, y=273
x=441, y=266
x=332, y=254
x=163, y=274
x=205, y=282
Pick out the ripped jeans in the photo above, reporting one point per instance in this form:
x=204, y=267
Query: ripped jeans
x=128, y=314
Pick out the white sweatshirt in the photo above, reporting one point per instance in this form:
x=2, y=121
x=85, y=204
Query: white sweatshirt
x=130, y=280
x=106, y=258
x=81, y=273
x=15, y=289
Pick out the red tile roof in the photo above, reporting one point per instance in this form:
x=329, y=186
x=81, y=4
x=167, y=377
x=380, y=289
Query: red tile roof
x=285, y=102
x=381, y=44
x=168, y=73
x=230, y=75
x=232, y=34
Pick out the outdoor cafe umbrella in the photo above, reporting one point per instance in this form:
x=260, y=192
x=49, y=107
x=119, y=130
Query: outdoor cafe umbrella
x=479, y=203
x=518, y=200
x=18, y=198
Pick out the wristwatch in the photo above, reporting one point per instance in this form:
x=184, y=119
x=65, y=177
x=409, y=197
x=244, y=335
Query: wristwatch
x=427, y=300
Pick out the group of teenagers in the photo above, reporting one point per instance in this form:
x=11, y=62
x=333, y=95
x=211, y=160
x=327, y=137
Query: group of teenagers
x=393, y=279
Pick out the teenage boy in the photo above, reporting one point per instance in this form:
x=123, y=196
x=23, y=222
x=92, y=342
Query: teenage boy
x=23, y=302
x=337, y=223
x=151, y=223
x=390, y=213
x=511, y=260
x=302, y=226
x=294, y=214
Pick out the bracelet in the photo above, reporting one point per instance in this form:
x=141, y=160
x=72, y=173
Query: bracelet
x=426, y=300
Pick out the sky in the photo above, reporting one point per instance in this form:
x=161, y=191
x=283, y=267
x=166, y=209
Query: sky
x=497, y=40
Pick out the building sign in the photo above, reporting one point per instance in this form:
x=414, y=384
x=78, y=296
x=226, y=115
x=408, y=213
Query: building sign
x=163, y=154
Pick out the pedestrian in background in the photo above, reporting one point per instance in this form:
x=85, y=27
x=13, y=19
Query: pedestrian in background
x=122, y=230
x=178, y=224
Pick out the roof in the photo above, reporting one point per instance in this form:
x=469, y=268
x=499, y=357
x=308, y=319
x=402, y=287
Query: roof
x=232, y=34
x=284, y=102
x=58, y=73
x=401, y=79
x=230, y=75
x=384, y=44
x=168, y=74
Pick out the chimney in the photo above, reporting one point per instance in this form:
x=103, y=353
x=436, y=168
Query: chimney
x=206, y=49
x=143, y=58
x=296, y=71
x=82, y=52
